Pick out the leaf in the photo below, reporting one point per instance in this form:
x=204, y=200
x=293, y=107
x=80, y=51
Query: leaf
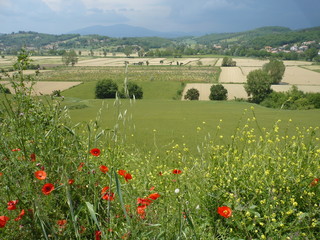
x=92, y=213
x=120, y=196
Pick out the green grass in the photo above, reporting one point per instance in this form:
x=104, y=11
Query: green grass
x=177, y=121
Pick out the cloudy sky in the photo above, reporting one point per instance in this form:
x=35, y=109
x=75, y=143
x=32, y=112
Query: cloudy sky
x=205, y=16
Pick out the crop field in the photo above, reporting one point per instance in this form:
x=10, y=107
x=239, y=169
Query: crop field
x=301, y=76
x=232, y=75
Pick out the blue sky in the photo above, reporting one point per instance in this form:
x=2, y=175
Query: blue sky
x=205, y=16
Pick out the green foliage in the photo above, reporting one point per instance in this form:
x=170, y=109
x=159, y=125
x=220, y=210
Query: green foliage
x=192, y=94
x=218, y=92
x=292, y=99
x=4, y=89
x=228, y=62
x=106, y=89
x=275, y=69
x=258, y=85
x=132, y=90
x=70, y=58
x=311, y=53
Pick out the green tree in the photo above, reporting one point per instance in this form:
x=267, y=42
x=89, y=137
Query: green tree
x=127, y=50
x=275, y=69
x=228, y=62
x=70, y=58
x=218, y=92
x=132, y=91
x=311, y=53
x=192, y=94
x=106, y=89
x=258, y=85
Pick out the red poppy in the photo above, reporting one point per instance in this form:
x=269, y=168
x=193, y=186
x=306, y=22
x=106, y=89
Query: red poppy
x=1, y=174
x=97, y=235
x=71, y=181
x=152, y=188
x=104, y=169
x=122, y=172
x=144, y=201
x=3, y=221
x=176, y=171
x=61, y=223
x=154, y=196
x=95, y=152
x=141, y=211
x=314, y=182
x=12, y=204
x=16, y=150
x=21, y=214
x=107, y=195
x=128, y=177
x=47, y=188
x=33, y=157
x=41, y=175
x=80, y=166
x=225, y=211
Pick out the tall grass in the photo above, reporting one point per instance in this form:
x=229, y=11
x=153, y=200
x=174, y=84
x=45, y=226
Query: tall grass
x=264, y=181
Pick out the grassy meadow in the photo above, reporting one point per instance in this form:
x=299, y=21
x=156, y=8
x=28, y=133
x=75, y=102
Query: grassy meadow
x=157, y=168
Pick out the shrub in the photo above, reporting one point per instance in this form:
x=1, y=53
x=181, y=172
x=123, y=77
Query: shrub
x=106, y=89
x=258, y=86
x=228, y=62
x=218, y=92
x=133, y=91
x=4, y=89
x=275, y=69
x=192, y=94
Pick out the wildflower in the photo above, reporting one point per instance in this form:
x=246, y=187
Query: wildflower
x=152, y=188
x=144, y=201
x=97, y=235
x=177, y=190
x=12, y=204
x=107, y=195
x=21, y=214
x=225, y=211
x=70, y=181
x=141, y=211
x=80, y=166
x=104, y=169
x=122, y=172
x=1, y=174
x=95, y=152
x=41, y=175
x=3, y=221
x=47, y=188
x=33, y=157
x=128, y=177
x=61, y=223
x=154, y=196
x=176, y=171
x=16, y=150
x=314, y=182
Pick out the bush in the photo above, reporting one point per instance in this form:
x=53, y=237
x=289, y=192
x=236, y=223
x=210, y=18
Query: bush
x=258, y=86
x=228, y=62
x=106, y=89
x=275, y=69
x=4, y=90
x=218, y=92
x=133, y=91
x=192, y=94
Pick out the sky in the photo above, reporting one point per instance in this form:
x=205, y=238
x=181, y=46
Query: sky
x=204, y=16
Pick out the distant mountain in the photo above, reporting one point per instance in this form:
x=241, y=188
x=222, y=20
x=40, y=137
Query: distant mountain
x=124, y=30
x=242, y=36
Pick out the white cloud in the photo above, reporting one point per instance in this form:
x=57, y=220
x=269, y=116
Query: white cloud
x=5, y=3
x=55, y=5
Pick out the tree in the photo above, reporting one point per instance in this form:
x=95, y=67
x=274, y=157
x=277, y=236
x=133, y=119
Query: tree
x=132, y=91
x=127, y=50
x=275, y=69
x=258, y=85
x=218, y=92
x=70, y=58
x=311, y=53
x=106, y=89
x=228, y=62
x=192, y=94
